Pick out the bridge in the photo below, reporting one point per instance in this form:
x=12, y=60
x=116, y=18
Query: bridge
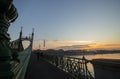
x=41, y=69
x=20, y=58
x=18, y=63
x=25, y=64
x=75, y=67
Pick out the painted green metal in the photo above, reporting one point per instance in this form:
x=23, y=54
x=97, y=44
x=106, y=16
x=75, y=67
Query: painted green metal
x=13, y=64
x=8, y=14
x=75, y=66
x=19, y=67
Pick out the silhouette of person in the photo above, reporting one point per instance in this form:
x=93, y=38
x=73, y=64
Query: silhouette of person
x=41, y=54
x=38, y=55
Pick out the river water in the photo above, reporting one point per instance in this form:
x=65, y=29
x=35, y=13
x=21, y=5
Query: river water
x=97, y=56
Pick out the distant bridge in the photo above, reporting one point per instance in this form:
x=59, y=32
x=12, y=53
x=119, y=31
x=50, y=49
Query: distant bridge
x=21, y=55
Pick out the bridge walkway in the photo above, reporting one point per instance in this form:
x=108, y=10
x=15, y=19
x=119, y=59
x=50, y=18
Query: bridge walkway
x=41, y=69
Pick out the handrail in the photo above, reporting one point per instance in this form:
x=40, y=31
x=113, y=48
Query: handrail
x=75, y=66
x=19, y=69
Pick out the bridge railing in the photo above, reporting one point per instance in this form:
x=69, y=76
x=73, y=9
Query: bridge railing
x=75, y=66
x=19, y=68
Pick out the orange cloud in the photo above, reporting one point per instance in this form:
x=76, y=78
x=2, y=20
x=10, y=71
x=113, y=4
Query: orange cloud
x=105, y=46
x=73, y=45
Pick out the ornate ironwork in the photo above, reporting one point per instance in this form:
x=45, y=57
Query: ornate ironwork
x=75, y=66
x=8, y=14
x=13, y=58
x=19, y=69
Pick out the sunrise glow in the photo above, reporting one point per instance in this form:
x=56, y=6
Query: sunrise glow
x=69, y=24
x=73, y=45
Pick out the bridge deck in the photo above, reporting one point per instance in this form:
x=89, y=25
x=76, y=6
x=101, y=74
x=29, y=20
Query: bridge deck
x=44, y=70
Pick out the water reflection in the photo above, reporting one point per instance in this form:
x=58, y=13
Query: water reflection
x=96, y=56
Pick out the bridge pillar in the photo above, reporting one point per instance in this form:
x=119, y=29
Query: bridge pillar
x=106, y=68
x=8, y=14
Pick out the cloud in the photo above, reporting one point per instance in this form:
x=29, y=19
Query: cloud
x=105, y=46
x=112, y=45
x=72, y=41
x=62, y=44
x=74, y=47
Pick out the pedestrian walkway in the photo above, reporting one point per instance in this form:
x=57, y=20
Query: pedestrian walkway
x=43, y=70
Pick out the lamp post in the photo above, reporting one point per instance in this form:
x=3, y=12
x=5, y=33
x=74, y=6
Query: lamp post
x=8, y=14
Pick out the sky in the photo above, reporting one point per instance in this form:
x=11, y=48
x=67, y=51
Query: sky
x=69, y=24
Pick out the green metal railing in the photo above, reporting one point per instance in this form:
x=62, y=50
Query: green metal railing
x=75, y=66
x=19, y=68
x=13, y=63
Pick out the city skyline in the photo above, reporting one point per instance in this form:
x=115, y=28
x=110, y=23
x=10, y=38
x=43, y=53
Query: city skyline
x=69, y=24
